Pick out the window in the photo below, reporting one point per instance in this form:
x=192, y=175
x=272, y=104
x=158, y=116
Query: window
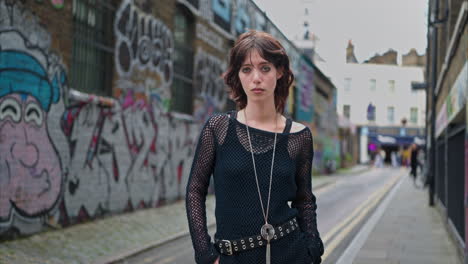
x=414, y=115
x=391, y=86
x=222, y=13
x=347, y=84
x=413, y=91
x=371, y=112
x=373, y=84
x=182, y=96
x=93, y=46
x=347, y=111
x=391, y=114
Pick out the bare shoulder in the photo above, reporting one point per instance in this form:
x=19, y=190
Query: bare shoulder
x=296, y=127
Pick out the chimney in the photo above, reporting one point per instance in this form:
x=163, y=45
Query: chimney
x=350, y=57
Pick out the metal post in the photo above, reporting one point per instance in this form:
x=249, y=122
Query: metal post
x=434, y=10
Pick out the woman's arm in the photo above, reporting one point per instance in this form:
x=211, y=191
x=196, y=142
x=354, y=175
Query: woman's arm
x=305, y=199
x=197, y=189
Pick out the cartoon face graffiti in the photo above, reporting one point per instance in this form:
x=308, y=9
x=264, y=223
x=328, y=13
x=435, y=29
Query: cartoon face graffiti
x=30, y=171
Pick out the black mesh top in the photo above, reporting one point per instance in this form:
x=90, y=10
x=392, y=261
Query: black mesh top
x=223, y=151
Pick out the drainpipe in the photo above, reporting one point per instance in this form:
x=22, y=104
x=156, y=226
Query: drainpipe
x=434, y=10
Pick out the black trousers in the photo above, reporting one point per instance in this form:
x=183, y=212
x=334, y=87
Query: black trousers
x=414, y=171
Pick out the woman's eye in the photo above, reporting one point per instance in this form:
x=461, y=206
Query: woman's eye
x=245, y=70
x=33, y=113
x=266, y=68
x=10, y=108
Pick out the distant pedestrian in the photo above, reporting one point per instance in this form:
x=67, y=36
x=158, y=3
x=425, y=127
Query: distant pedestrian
x=414, y=162
x=422, y=166
x=247, y=151
x=406, y=154
x=394, y=159
x=400, y=157
x=378, y=163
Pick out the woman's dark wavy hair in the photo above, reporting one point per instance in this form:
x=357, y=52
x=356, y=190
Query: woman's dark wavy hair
x=268, y=48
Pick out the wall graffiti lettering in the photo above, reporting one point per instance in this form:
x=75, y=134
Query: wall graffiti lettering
x=134, y=157
x=208, y=84
x=58, y=4
x=66, y=156
x=142, y=42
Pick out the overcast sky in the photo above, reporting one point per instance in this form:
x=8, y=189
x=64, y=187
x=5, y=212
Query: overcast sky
x=374, y=26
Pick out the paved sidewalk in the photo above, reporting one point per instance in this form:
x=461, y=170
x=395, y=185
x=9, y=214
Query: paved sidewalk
x=113, y=238
x=408, y=232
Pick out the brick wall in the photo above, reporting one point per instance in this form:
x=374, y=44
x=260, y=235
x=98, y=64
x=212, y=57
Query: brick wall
x=69, y=158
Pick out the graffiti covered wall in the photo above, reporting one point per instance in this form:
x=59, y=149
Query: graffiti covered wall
x=68, y=157
x=32, y=82
x=211, y=95
x=64, y=161
x=305, y=92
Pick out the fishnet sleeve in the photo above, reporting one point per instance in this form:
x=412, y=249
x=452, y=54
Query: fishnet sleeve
x=305, y=199
x=197, y=189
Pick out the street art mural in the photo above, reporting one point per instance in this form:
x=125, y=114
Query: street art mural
x=66, y=156
x=135, y=156
x=144, y=4
x=305, y=92
x=144, y=49
x=242, y=21
x=222, y=13
x=209, y=85
x=58, y=4
x=31, y=82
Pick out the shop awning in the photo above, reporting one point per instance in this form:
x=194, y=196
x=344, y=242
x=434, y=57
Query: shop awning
x=396, y=140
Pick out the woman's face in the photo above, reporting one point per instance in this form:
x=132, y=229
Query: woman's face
x=258, y=77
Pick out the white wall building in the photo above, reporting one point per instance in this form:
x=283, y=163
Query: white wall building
x=388, y=88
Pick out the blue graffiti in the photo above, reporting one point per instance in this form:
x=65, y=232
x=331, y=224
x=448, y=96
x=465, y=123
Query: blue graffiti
x=22, y=73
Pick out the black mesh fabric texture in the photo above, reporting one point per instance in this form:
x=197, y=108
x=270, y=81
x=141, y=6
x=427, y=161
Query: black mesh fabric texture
x=223, y=151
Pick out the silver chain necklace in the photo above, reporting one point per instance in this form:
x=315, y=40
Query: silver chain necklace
x=267, y=231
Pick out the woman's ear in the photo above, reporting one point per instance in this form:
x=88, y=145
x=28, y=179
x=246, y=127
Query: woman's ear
x=279, y=73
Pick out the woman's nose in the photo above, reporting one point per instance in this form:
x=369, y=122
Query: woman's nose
x=257, y=76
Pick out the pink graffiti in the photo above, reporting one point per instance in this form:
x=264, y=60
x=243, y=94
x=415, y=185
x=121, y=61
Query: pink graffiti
x=30, y=171
x=57, y=3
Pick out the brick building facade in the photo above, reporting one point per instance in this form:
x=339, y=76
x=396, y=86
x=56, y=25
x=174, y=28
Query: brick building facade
x=447, y=136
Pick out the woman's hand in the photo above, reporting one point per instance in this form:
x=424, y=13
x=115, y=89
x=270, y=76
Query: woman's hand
x=216, y=261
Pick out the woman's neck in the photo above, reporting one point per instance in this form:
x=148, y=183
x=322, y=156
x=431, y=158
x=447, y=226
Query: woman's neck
x=262, y=117
x=260, y=113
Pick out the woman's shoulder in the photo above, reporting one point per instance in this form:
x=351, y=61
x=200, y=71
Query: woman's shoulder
x=296, y=127
x=218, y=119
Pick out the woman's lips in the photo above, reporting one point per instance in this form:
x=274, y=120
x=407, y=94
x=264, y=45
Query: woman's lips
x=257, y=90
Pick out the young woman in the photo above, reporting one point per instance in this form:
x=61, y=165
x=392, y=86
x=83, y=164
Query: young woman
x=260, y=161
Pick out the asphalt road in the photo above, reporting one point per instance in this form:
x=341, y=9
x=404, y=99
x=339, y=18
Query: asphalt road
x=343, y=207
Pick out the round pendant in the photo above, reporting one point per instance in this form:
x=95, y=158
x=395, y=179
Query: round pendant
x=267, y=232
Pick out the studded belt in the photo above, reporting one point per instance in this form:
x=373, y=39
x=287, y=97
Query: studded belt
x=229, y=247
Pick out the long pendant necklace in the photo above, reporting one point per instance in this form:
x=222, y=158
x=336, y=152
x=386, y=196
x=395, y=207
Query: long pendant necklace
x=267, y=231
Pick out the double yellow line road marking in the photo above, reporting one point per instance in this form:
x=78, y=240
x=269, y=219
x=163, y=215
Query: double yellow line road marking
x=335, y=236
